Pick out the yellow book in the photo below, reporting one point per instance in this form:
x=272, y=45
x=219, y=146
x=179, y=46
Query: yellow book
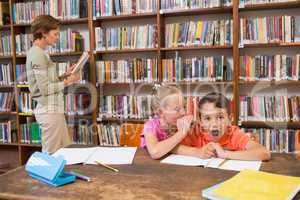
x=250, y=185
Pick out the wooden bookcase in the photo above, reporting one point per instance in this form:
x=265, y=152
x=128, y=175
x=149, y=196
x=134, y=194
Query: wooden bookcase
x=24, y=150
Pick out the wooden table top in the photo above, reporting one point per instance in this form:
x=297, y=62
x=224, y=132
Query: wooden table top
x=145, y=179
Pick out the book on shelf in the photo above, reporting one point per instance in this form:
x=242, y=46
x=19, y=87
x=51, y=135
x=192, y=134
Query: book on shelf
x=6, y=74
x=128, y=37
x=77, y=104
x=6, y=101
x=8, y=132
x=177, y=5
x=21, y=74
x=269, y=29
x=259, y=2
x=137, y=70
x=199, y=33
x=109, y=134
x=26, y=103
x=276, y=140
x=123, y=7
x=203, y=68
x=63, y=10
x=269, y=108
x=80, y=132
x=270, y=67
x=5, y=43
x=122, y=106
x=30, y=133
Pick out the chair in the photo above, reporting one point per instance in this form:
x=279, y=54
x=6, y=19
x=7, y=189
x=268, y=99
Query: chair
x=131, y=134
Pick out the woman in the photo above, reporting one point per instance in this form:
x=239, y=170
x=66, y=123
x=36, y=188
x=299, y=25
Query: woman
x=45, y=86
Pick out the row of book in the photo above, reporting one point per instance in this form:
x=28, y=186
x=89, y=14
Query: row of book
x=138, y=107
x=137, y=70
x=77, y=104
x=130, y=37
x=26, y=103
x=122, y=106
x=8, y=132
x=109, y=134
x=255, y=2
x=69, y=41
x=171, y=5
x=5, y=44
x=21, y=74
x=269, y=29
x=81, y=133
x=6, y=101
x=25, y=12
x=195, y=33
x=31, y=133
x=269, y=108
x=270, y=67
x=277, y=140
x=204, y=68
x=123, y=7
x=6, y=74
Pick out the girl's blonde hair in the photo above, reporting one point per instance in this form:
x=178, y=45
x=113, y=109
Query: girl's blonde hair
x=160, y=94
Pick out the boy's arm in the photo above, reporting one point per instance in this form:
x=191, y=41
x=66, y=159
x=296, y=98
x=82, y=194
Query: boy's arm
x=254, y=151
x=201, y=152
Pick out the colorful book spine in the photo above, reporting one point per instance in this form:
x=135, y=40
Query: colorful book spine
x=199, y=33
x=131, y=37
x=6, y=74
x=127, y=71
x=277, y=140
x=205, y=68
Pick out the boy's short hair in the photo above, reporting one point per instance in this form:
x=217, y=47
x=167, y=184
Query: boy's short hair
x=218, y=99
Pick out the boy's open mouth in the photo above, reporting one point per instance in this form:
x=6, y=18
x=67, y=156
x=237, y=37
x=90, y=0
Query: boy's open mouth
x=215, y=133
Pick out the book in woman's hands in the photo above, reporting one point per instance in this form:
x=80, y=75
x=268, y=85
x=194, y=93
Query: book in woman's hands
x=80, y=63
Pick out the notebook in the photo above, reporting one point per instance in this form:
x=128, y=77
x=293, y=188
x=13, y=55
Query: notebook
x=236, y=165
x=251, y=184
x=106, y=155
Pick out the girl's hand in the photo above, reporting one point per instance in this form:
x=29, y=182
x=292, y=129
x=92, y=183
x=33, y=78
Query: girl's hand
x=184, y=124
x=196, y=128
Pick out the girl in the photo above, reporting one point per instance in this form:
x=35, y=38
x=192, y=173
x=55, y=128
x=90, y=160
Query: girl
x=167, y=105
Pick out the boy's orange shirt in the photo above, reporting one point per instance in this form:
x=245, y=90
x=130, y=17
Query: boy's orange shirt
x=233, y=140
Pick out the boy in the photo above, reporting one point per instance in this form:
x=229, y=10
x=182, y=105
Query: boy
x=216, y=137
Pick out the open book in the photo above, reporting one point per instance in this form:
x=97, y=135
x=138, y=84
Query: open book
x=80, y=63
x=236, y=165
x=106, y=155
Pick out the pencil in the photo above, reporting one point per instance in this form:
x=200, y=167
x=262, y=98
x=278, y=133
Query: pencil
x=222, y=163
x=108, y=167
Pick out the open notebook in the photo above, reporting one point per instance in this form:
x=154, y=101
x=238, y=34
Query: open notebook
x=106, y=155
x=236, y=165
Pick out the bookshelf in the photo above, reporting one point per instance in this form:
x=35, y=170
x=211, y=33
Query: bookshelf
x=159, y=18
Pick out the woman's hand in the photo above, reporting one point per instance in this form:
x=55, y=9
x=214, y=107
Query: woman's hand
x=73, y=78
x=69, y=70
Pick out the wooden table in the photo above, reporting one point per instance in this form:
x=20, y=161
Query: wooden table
x=145, y=179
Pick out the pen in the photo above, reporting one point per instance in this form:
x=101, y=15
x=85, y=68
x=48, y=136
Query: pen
x=81, y=176
x=108, y=167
